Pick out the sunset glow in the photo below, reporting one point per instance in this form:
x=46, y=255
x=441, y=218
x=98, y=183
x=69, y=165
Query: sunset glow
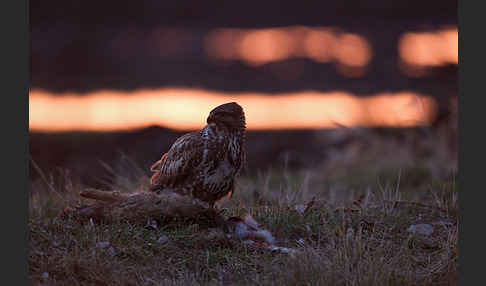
x=265, y=45
x=351, y=52
x=429, y=48
x=319, y=45
x=260, y=46
x=184, y=109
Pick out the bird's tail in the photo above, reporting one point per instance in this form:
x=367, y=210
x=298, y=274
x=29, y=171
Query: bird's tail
x=154, y=180
x=155, y=166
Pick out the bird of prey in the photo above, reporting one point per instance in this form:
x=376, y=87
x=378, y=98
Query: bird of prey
x=204, y=164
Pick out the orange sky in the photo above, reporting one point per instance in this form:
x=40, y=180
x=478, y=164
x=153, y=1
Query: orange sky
x=182, y=109
x=260, y=46
x=325, y=44
x=430, y=48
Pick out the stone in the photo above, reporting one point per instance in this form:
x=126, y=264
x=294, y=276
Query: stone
x=163, y=239
x=423, y=228
x=103, y=244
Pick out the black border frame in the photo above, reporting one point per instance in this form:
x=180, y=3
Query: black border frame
x=15, y=66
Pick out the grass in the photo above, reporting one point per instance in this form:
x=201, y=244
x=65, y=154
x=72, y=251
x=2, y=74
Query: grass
x=369, y=246
x=355, y=233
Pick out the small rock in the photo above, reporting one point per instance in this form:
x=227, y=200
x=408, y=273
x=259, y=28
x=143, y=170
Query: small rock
x=301, y=241
x=424, y=229
x=111, y=251
x=163, y=239
x=443, y=223
x=248, y=241
x=349, y=233
x=301, y=208
x=153, y=225
x=103, y=244
x=285, y=250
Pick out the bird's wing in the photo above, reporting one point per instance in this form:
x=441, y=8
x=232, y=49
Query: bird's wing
x=185, y=154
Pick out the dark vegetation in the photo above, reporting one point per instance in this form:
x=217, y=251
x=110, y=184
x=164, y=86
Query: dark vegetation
x=366, y=195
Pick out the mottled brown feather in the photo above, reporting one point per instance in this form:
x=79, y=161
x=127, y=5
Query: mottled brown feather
x=177, y=163
x=204, y=164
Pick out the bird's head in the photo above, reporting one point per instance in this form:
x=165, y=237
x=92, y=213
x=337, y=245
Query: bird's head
x=230, y=115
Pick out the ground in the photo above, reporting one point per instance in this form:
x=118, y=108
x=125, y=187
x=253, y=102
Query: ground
x=354, y=233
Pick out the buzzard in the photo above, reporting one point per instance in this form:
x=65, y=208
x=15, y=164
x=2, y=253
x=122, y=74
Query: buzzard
x=204, y=164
